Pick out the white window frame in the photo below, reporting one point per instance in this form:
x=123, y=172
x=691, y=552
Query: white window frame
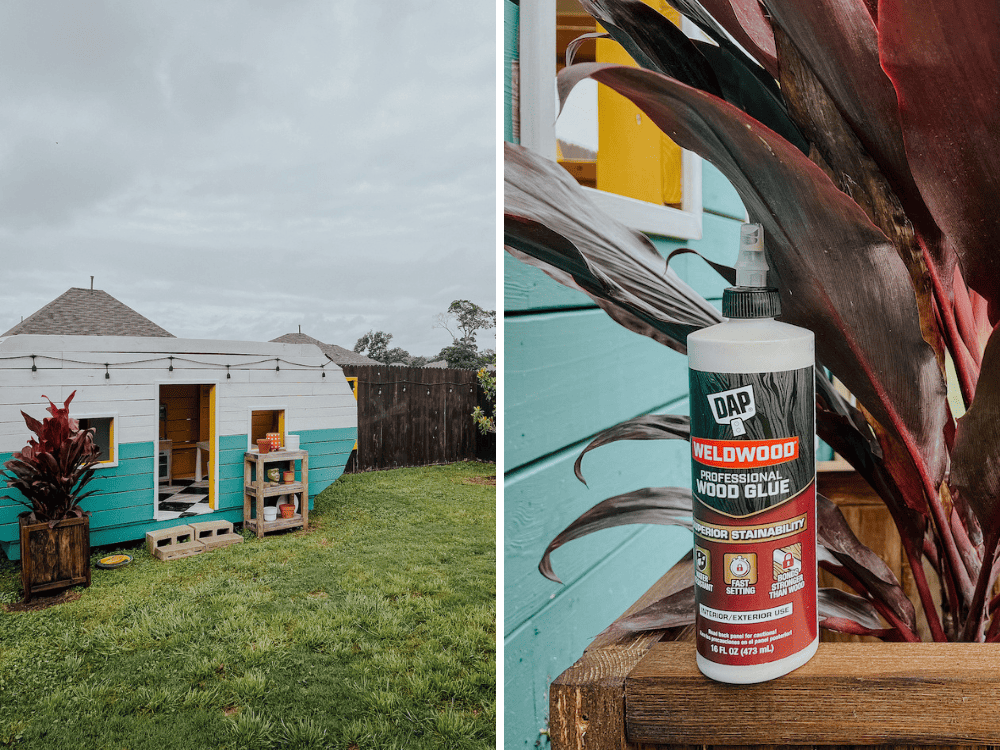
x=115, y=428
x=537, y=30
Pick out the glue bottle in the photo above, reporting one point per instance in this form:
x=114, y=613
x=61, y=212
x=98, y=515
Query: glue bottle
x=753, y=412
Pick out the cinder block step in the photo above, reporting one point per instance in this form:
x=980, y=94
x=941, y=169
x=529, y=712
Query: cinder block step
x=215, y=534
x=173, y=543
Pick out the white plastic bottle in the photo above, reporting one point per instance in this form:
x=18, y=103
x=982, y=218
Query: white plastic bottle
x=754, y=482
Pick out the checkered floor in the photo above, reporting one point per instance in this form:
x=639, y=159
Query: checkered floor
x=183, y=499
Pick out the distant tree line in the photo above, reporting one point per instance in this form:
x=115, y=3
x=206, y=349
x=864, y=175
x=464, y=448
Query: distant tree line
x=463, y=320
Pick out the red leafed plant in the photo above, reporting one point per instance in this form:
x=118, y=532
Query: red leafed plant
x=52, y=471
x=864, y=135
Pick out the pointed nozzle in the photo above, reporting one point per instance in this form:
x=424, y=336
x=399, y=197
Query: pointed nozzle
x=751, y=266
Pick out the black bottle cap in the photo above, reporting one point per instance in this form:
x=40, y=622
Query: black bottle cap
x=751, y=302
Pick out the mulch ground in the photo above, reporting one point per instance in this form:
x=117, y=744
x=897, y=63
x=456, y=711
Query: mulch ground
x=43, y=602
x=482, y=480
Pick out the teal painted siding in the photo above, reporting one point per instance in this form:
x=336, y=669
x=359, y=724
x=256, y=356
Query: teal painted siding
x=570, y=372
x=123, y=508
x=509, y=58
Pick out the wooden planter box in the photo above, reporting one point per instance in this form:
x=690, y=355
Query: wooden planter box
x=643, y=691
x=56, y=558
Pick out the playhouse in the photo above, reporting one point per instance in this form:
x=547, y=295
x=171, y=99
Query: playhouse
x=173, y=418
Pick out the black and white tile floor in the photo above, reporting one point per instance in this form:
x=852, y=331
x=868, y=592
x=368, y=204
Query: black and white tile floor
x=182, y=499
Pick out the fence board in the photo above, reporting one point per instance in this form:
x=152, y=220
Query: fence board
x=416, y=416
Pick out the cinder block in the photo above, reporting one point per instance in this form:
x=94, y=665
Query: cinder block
x=215, y=534
x=173, y=543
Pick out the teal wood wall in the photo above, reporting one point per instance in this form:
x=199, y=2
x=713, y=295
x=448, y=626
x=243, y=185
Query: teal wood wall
x=569, y=372
x=122, y=509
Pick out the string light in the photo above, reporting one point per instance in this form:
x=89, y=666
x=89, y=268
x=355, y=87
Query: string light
x=107, y=375
x=34, y=367
x=171, y=368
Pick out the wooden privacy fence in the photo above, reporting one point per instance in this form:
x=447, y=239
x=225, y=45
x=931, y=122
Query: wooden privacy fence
x=416, y=416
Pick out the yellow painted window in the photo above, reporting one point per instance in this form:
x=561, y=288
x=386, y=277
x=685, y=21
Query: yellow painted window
x=603, y=139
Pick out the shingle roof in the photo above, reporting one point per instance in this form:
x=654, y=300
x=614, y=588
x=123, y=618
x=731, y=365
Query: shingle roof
x=338, y=354
x=87, y=312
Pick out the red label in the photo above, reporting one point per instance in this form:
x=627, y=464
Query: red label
x=744, y=454
x=755, y=579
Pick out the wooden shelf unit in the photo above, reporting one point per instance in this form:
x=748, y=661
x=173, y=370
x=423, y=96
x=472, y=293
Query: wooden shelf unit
x=256, y=490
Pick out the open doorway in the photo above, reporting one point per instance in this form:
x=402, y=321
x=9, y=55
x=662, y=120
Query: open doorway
x=187, y=440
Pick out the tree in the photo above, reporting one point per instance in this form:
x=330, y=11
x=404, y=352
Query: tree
x=374, y=344
x=468, y=319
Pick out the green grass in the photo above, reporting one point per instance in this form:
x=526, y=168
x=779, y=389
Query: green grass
x=374, y=629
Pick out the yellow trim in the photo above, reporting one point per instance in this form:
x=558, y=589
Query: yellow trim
x=634, y=158
x=212, y=494
x=111, y=442
x=353, y=382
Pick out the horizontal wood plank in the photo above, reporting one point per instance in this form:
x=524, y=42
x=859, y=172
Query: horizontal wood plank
x=847, y=694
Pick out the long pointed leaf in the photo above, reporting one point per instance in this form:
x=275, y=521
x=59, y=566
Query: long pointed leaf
x=975, y=470
x=835, y=603
x=668, y=506
x=646, y=427
x=944, y=61
x=833, y=533
x=677, y=610
x=550, y=219
x=743, y=19
x=839, y=40
x=653, y=41
x=837, y=273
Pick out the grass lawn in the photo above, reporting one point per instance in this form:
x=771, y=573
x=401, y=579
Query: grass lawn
x=374, y=629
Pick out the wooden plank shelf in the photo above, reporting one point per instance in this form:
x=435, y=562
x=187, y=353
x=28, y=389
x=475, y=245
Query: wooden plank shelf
x=256, y=490
x=277, y=525
x=277, y=489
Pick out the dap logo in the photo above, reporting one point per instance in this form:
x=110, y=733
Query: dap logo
x=733, y=407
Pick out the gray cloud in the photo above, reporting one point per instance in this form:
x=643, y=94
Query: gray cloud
x=235, y=170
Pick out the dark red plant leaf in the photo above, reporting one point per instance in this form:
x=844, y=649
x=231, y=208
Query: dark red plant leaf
x=833, y=533
x=551, y=223
x=726, y=272
x=673, y=610
x=742, y=88
x=840, y=42
x=646, y=427
x=975, y=468
x=834, y=603
x=653, y=41
x=677, y=610
x=573, y=46
x=745, y=21
x=944, y=61
x=668, y=506
x=838, y=275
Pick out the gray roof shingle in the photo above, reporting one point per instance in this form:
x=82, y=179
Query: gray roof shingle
x=87, y=312
x=338, y=354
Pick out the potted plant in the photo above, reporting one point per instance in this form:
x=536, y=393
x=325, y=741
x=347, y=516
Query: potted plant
x=861, y=136
x=50, y=475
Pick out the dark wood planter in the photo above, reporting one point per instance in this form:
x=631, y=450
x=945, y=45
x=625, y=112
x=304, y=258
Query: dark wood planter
x=56, y=558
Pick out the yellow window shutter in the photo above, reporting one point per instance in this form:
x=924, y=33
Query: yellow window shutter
x=634, y=157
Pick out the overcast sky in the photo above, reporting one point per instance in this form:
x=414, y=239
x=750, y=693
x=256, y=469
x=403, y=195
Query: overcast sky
x=235, y=169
